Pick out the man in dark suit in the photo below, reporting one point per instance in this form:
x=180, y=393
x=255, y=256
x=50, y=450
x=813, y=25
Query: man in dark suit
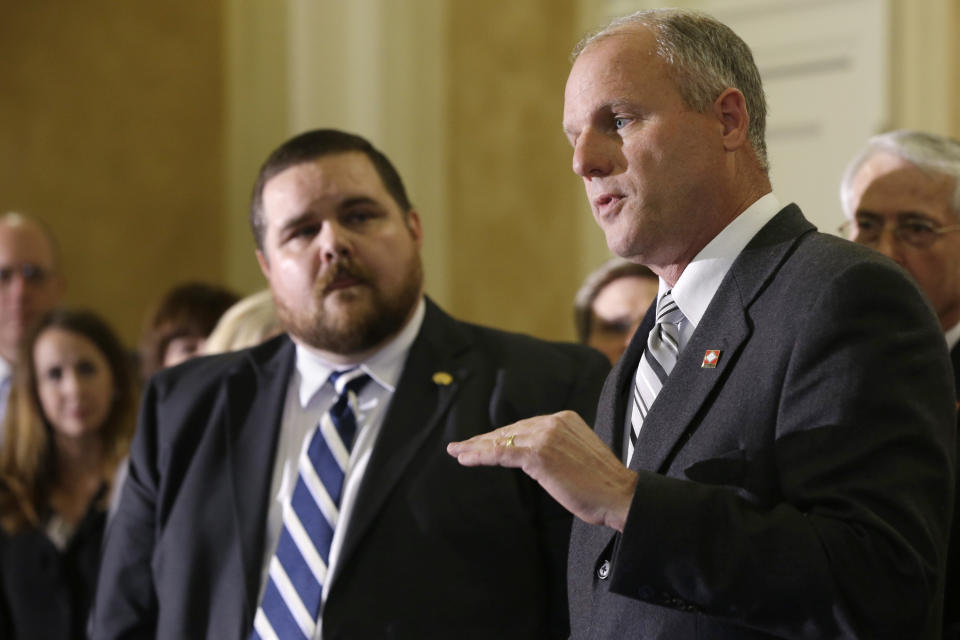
x=901, y=196
x=774, y=453
x=395, y=540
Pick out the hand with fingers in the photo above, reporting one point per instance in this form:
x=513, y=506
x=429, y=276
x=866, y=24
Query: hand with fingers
x=563, y=454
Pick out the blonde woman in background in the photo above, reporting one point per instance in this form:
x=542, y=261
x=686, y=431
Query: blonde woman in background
x=246, y=324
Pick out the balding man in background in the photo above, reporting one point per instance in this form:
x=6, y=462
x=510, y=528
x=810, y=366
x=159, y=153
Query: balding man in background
x=30, y=285
x=901, y=196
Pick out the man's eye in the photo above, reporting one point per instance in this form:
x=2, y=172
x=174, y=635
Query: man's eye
x=618, y=327
x=357, y=217
x=917, y=227
x=307, y=231
x=620, y=123
x=867, y=224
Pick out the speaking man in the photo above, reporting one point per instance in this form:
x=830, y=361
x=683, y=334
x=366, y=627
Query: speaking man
x=774, y=453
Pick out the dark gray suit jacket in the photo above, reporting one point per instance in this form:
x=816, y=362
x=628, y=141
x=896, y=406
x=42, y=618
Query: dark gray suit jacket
x=432, y=550
x=951, y=602
x=803, y=487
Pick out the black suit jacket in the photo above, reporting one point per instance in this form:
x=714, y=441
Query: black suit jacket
x=803, y=487
x=951, y=601
x=45, y=593
x=433, y=549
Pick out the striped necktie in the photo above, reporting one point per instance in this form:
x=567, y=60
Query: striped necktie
x=291, y=600
x=656, y=363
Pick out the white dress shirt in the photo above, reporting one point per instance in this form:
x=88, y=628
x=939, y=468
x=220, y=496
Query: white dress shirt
x=700, y=280
x=309, y=396
x=6, y=382
x=953, y=337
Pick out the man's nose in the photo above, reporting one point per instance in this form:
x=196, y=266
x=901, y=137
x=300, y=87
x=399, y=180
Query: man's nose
x=888, y=244
x=593, y=155
x=334, y=241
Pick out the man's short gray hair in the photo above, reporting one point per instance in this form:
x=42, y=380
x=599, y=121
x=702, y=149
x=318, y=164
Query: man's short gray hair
x=926, y=151
x=707, y=57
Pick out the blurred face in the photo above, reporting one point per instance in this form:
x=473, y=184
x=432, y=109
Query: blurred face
x=889, y=191
x=616, y=313
x=74, y=383
x=651, y=166
x=28, y=285
x=181, y=349
x=342, y=259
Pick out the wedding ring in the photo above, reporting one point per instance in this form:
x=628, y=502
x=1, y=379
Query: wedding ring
x=510, y=440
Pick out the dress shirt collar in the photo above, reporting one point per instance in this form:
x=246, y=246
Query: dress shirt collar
x=384, y=366
x=953, y=336
x=700, y=280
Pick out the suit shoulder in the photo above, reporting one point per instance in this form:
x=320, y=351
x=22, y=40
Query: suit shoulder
x=823, y=259
x=534, y=352
x=204, y=372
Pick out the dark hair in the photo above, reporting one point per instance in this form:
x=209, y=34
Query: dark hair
x=190, y=309
x=28, y=454
x=314, y=144
x=611, y=270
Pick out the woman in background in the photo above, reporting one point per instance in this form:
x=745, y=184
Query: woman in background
x=68, y=426
x=246, y=324
x=180, y=324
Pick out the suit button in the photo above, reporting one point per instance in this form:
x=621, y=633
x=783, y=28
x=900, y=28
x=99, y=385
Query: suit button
x=603, y=571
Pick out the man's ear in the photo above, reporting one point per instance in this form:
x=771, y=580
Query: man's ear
x=413, y=224
x=264, y=264
x=731, y=109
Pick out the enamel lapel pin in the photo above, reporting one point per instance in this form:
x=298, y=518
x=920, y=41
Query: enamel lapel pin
x=710, y=359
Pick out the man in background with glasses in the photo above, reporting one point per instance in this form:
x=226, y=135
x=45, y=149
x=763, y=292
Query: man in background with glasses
x=901, y=196
x=29, y=287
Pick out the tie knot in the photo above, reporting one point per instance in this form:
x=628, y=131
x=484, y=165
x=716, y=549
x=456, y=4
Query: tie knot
x=349, y=380
x=667, y=310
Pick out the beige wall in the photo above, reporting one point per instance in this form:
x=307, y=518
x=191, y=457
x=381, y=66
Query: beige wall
x=135, y=130
x=514, y=231
x=110, y=121
x=925, y=87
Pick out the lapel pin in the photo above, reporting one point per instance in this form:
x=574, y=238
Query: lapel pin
x=442, y=378
x=710, y=359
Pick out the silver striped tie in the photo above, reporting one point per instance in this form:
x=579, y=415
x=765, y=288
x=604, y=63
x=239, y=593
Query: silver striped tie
x=656, y=363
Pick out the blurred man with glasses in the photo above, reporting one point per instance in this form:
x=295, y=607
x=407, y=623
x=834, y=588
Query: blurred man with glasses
x=901, y=196
x=29, y=287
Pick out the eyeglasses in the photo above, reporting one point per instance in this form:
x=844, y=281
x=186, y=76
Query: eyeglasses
x=31, y=274
x=911, y=229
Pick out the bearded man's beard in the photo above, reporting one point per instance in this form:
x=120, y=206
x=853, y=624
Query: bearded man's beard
x=364, y=317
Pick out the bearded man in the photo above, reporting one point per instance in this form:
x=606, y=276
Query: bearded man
x=301, y=489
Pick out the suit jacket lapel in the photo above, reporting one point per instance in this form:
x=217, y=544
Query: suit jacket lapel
x=724, y=327
x=688, y=386
x=416, y=409
x=955, y=360
x=617, y=393
x=255, y=395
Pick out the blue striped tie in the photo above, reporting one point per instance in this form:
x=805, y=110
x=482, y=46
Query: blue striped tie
x=658, y=359
x=298, y=569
